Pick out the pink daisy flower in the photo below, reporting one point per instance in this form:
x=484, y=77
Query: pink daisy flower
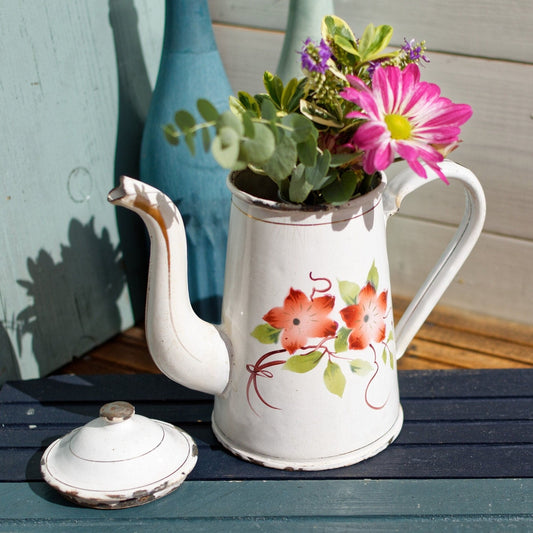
x=404, y=116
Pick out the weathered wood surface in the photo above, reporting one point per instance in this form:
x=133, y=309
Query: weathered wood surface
x=76, y=84
x=458, y=424
x=281, y=506
x=464, y=459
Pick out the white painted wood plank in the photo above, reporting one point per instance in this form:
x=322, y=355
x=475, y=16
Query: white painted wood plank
x=495, y=280
x=484, y=28
x=497, y=141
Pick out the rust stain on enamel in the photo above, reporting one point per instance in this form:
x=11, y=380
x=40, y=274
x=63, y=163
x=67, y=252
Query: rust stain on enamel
x=144, y=205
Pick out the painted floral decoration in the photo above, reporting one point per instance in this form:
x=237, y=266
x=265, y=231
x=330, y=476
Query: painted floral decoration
x=323, y=138
x=366, y=318
x=302, y=318
x=311, y=339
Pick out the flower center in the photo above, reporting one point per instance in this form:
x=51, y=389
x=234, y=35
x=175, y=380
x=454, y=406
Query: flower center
x=296, y=321
x=399, y=126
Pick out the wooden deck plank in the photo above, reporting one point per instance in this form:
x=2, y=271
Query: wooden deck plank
x=482, y=325
x=468, y=423
x=443, y=354
x=478, y=344
x=341, y=505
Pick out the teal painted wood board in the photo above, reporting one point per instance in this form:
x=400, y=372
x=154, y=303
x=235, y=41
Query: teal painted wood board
x=332, y=505
x=75, y=88
x=462, y=462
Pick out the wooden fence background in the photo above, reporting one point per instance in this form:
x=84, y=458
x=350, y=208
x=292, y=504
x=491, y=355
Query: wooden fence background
x=75, y=85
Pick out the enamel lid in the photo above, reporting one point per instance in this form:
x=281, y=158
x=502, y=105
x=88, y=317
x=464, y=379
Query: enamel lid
x=120, y=459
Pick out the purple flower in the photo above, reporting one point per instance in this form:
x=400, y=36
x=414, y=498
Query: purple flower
x=315, y=57
x=372, y=66
x=414, y=50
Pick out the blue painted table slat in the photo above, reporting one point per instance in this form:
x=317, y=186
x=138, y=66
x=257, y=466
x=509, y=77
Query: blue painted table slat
x=463, y=459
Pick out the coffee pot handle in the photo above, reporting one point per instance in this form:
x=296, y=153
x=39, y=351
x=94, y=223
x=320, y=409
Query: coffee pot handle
x=456, y=252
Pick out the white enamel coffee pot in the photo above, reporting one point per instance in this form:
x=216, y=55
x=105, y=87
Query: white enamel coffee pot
x=303, y=365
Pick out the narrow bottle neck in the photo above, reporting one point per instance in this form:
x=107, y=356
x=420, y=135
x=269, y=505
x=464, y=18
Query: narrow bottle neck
x=188, y=27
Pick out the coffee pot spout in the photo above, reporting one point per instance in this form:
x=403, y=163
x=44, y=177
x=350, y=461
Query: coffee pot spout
x=187, y=349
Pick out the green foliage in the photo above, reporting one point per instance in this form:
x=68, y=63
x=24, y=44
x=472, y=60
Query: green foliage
x=303, y=363
x=373, y=276
x=357, y=53
x=264, y=132
x=341, y=340
x=361, y=367
x=349, y=292
x=266, y=334
x=334, y=379
x=297, y=133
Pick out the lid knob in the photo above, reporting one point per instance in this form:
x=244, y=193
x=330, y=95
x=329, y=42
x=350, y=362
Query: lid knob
x=116, y=412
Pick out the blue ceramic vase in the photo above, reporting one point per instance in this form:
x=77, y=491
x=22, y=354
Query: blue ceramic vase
x=191, y=68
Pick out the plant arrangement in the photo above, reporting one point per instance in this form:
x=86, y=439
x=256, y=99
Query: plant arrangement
x=324, y=138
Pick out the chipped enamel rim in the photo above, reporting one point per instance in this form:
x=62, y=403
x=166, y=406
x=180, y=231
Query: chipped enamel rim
x=128, y=481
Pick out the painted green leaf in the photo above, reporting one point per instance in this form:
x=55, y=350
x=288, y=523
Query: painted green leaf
x=266, y=334
x=303, y=363
x=391, y=360
x=373, y=276
x=341, y=341
x=334, y=379
x=385, y=355
x=207, y=110
x=361, y=367
x=349, y=291
x=225, y=147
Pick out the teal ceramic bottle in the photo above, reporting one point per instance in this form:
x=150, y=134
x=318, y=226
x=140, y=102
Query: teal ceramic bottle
x=304, y=21
x=191, y=68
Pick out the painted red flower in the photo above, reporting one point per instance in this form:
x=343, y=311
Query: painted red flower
x=366, y=319
x=301, y=318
